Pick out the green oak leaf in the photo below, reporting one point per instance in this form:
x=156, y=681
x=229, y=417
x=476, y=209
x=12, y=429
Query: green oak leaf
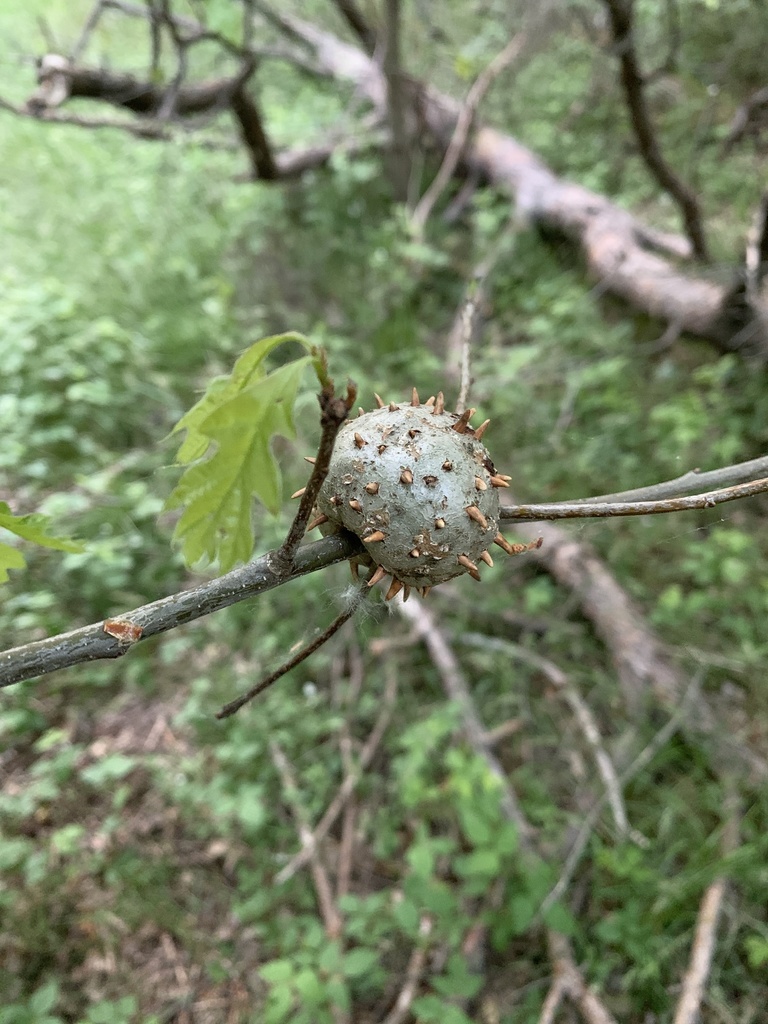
x=228, y=445
x=33, y=527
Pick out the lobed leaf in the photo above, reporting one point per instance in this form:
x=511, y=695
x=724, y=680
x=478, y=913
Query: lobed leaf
x=33, y=527
x=229, y=432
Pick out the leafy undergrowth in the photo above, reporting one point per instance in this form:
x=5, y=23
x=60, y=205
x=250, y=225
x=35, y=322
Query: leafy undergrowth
x=141, y=841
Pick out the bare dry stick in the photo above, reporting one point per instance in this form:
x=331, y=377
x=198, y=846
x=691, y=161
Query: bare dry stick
x=413, y=973
x=551, y=1004
x=348, y=785
x=592, y=1009
x=621, y=17
x=88, y=28
x=328, y=909
x=425, y=626
x=703, y=948
x=477, y=91
x=644, y=758
x=456, y=688
x=581, y=711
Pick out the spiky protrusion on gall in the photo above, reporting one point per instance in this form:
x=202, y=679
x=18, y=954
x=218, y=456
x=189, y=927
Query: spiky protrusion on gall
x=418, y=487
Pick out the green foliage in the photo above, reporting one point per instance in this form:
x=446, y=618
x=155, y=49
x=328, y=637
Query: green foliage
x=127, y=813
x=33, y=527
x=228, y=457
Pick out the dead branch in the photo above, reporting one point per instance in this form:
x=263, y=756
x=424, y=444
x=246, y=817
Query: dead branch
x=621, y=17
x=576, y=848
x=425, y=627
x=624, y=255
x=464, y=122
x=703, y=948
x=349, y=783
x=591, y=1007
x=582, y=713
x=642, y=667
x=413, y=973
x=328, y=909
x=551, y=1004
x=457, y=690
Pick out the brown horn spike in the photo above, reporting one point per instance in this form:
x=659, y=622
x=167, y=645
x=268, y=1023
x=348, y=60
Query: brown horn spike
x=380, y=403
x=318, y=521
x=415, y=400
x=479, y=431
x=468, y=564
x=474, y=513
x=461, y=425
x=375, y=537
x=299, y=493
x=396, y=587
x=504, y=544
x=380, y=573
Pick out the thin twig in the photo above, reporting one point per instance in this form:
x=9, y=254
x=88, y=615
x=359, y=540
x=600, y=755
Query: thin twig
x=349, y=783
x=328, y=909
x=426, y=628
x=703, y=947
x=88, y=28
x=581, y=711
x=333, y=413
x=234, y=706
x=646, y=755
x=413, y=973
x=456, y=688
x=466, y=117
x=611, y=509
x=724, y=476
x=592, y=1009
x=551, y=1004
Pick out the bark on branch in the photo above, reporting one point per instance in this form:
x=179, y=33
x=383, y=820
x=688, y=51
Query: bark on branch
x=621, y=16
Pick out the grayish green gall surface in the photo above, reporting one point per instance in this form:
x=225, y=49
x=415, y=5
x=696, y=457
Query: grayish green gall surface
x=427, y=474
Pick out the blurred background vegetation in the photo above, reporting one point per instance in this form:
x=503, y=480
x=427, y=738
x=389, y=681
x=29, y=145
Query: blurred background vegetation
x=139, y=837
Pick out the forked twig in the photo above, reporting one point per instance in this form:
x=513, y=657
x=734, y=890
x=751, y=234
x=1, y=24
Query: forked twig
x=457, y=689
x=328, y=909
x=347, y=787
x=581, y=712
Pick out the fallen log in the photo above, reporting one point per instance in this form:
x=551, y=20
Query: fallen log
x=643, y=667
x=631, y=260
